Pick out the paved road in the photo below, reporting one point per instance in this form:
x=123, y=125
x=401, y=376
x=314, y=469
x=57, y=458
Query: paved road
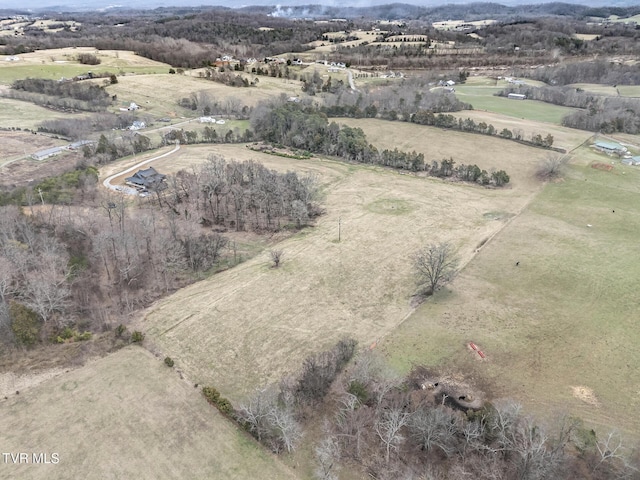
x=129, y=190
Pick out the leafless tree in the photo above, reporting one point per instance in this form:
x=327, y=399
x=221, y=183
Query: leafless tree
x=327, y=457
x=552, y=166
x=435, y=428
x=46, y=293
x=352, y=422
x=435, y=265
x=609, y=449
x=503, y=423
x=6, y=278
x=270, y=419
x=388, y=427
x=276, y=257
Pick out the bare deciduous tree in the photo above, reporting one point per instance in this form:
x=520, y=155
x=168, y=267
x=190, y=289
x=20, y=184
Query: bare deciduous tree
x=435, y=265
x=352, y=421
x=276, y=257
x=388, y=428
x=271, y=420
x=552, y=166
x=327, y=456
x=435, y=427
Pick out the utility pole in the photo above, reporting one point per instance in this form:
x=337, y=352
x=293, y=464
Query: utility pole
x=339, y=227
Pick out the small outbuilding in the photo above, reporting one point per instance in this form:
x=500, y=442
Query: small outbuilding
x=609, y=147
x=44, y=154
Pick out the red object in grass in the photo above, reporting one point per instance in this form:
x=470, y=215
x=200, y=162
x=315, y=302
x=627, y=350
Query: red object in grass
x=473, y=345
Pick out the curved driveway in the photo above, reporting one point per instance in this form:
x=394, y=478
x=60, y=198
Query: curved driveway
x=129, y=190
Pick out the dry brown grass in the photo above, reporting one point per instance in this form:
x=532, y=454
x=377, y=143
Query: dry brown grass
x=567, y=138
x=159, y=94
x=248, y=326
x=127, y=416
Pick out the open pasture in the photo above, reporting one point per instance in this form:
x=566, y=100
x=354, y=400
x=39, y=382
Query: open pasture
x=518, y=161
x=24, y=115
x=567, y=138
x=613, y=91
x=170, y=430
x=558, y=329
x=159, y=94
x=483, y=98
x=54, y=64
x=246, y=327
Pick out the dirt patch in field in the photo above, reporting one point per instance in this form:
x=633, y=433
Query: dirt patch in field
x=602, y=166
x=585, y=394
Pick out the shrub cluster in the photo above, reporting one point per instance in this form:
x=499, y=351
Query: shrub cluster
x=213, y=397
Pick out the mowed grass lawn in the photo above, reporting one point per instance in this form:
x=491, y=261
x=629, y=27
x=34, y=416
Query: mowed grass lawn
x=482, y=98
x=563, y=320
x=248, y=326
x=127, y=416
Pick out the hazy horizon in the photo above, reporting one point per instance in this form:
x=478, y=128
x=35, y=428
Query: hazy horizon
x=75, y=5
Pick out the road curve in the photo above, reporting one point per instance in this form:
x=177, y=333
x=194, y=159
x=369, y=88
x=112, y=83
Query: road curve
x=128, y=190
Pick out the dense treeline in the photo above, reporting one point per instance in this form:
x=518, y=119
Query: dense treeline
x=599, y=113
x=195, y=37
x=80, y=128
x=397, y=101
x=609, y=115
x=70, y=187
x=68, y=94
x=65, y=265
x=305, y=128
x=243, y=196
x=598, y=71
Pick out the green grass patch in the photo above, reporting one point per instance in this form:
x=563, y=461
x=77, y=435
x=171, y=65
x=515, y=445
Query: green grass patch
x=390, y=206
x=54, y=72
x=482, y=98
x=563, y=318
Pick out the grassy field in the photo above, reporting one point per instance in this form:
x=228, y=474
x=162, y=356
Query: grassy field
x=567, y=138
x=127, y=416
x=24, y=115
x=615, y=18
x=158, y=94
x=57, y=63
x=482, y=98
x=558, y=329
x=518, y=161
x=246, y=327
x=622, y=90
